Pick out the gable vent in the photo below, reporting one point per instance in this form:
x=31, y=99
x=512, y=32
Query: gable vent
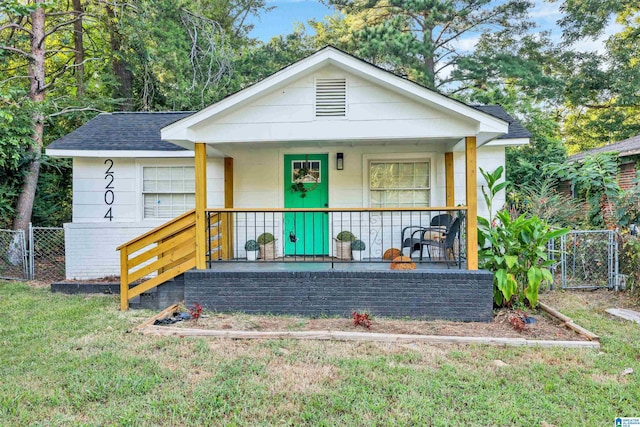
x=331, y=97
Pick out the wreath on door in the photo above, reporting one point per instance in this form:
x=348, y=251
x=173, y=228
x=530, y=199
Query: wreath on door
x=301, y=177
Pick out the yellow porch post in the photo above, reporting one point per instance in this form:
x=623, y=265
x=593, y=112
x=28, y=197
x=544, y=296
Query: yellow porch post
x=201, y=205
x=227, y=218
x=472, y=203
x=448, y=172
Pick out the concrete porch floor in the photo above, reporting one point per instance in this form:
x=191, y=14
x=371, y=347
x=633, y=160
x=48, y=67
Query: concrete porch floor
x=316, y=266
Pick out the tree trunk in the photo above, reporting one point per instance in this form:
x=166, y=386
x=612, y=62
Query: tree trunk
x=429, y=61
x=124, y=90
x=37, y=95
x=78, y=47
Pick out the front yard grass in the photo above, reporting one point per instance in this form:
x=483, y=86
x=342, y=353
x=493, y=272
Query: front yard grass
x=72, y=360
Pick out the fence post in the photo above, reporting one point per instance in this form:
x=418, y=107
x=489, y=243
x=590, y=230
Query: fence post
x=25, y=257
x=551, y=246
x=31, y=249
x=563, y=261
x=616, y=275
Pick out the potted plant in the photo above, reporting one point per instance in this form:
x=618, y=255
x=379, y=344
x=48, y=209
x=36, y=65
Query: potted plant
x=357, y=247
x=252, y=248
x=343, y=244
x=267, y=245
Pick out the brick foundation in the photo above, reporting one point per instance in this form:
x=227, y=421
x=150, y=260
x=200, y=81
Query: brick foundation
x=442, y=294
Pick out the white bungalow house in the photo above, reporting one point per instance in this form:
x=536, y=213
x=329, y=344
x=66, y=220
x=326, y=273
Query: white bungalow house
x=366, y=138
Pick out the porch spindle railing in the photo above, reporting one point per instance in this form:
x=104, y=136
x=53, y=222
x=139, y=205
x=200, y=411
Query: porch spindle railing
x=433, y=235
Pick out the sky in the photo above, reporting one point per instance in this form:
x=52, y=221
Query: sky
x=282, y=18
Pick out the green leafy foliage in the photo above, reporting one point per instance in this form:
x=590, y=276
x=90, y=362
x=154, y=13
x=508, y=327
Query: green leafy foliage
x=346, y=236
x=358, y=245
x=630, y=259
x=543, y=199
x=265, y=238
x=251, y=245
x=595, y=180
x=515, y=250
x=417, y=39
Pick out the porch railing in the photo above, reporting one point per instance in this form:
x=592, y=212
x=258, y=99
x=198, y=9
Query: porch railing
x=312, y=235
x=157, y=256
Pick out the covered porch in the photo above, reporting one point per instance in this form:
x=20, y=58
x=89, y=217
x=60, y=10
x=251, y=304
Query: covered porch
x=305, y=239
x=341, y=168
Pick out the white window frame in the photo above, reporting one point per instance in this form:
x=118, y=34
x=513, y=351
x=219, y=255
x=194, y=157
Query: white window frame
x=142, y=191
x=368, y=159
x=293, y=162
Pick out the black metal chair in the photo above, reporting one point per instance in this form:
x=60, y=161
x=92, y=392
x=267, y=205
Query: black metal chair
x=439, y=225
x=446, y=247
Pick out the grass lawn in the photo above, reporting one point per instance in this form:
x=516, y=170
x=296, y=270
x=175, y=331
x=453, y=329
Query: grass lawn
x=71, y=360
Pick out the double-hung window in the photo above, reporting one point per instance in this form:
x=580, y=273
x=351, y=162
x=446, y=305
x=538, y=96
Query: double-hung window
x=167, y=191
x=399, y=183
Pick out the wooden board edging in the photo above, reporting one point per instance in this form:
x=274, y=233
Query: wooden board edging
x=568, y=322
x=164, y=313
x=362, y=336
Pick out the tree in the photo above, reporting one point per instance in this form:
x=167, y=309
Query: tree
x=35, y=59
x=420, y=39
x=603, y=89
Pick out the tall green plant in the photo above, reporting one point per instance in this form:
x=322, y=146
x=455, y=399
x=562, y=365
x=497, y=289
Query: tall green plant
x=515, y=250
x=594, y=179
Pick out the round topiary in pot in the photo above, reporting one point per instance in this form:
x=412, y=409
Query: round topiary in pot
x=267, y=244
x=343, y=244
x=251, y=245
x=358, y=245
x=252, y=248
x=346, y=236
x=265, y=238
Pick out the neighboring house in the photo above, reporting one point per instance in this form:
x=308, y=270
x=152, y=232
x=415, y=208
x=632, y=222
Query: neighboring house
x=134, y=171
x=628, y=151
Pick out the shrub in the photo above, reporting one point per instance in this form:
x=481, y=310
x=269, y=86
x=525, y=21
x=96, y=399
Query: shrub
x=515, y=250
x=358, y=245
x=265, y=238
x=630, y=259
x=251, y=245
x=346, y=236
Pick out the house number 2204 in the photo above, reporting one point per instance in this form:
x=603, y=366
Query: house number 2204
x=109, y=196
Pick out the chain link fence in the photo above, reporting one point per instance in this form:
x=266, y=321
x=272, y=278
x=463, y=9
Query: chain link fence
x=46, y=253
x=588, y=259
x=13, y=255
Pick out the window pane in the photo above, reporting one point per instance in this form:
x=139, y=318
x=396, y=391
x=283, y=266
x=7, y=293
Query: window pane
x=163, y=185
x=149, y=185
x=421, y=197
x=168, y=190
x=405, y=198
x=399, y=184
x=422, y=168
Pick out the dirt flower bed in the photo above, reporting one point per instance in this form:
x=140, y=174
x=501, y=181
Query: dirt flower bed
x=545, y=327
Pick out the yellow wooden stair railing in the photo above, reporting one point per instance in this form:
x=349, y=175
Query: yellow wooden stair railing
x=168, y=251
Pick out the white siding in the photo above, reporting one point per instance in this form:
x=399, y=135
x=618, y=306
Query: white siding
x=89, y=187
x=258, y=182
x=373, y=112
x=91, y=240
x=489, y=158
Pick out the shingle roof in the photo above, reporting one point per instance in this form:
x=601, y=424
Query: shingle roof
x=122, y=131
x=626, y=147
x=516, y=130
x=141, y=131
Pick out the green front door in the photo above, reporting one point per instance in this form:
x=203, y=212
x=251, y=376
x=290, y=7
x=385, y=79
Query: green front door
x=306, y=185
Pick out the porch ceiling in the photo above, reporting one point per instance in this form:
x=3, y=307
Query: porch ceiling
x=434, y=144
